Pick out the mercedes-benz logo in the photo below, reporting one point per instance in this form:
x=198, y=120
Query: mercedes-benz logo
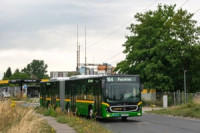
x=124, y=109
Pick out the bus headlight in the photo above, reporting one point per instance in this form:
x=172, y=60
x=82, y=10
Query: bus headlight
x=139, y=114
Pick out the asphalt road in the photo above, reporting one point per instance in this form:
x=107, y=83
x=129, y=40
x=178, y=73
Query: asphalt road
x=150, y=123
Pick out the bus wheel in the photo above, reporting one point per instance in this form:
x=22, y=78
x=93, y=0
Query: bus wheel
x=90, y=113
x=124, y=118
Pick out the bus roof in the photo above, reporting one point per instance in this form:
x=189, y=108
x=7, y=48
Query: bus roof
x=59, y=78
x=84, y=76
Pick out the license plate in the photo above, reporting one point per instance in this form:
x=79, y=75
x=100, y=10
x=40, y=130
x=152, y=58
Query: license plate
x=116, y=115
x=124, y=115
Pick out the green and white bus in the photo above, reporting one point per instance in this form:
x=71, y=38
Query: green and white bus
x=95, y=96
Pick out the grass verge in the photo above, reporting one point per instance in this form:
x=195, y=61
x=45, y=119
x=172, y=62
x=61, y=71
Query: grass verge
x=186, y=110
x=80, y=124
x=14, y=118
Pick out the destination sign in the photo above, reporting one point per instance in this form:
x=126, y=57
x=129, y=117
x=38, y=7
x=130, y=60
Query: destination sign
x=121, y=79
x=31, y=80
x=25, y=81
x=90, y=80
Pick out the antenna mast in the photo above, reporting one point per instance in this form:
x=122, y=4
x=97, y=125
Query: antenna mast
x=85, y=52
x=77, y=66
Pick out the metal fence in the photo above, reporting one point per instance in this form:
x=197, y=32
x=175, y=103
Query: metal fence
x=173, y=98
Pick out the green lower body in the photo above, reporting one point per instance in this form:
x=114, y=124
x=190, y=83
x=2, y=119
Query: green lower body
x=106, y=114
x=122, y=114
x=82, y=109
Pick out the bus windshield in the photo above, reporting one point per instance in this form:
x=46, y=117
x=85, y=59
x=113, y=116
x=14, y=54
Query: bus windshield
x=122, y=92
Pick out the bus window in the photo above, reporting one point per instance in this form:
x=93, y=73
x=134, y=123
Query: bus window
x=67, y=93
x=83, y=91
x=90, y=92
x=78, y=91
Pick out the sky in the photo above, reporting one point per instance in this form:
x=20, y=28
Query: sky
x=47, y=30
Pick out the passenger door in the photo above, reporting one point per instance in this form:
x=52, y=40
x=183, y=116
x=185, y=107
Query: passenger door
x=97, y=100
x=73, y=98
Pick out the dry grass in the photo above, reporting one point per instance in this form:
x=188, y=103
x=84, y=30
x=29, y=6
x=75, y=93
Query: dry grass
x=18, y=119
x=186, y=110
x=197, y=99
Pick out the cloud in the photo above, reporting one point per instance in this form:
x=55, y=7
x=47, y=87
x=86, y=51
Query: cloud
x=55, y=59
x=38, y=25
x=46, y=30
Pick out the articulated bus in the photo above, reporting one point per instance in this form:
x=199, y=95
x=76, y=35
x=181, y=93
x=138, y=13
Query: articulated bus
x=95, y=96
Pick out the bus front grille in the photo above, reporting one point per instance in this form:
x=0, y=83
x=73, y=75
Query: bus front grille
x=124, y=108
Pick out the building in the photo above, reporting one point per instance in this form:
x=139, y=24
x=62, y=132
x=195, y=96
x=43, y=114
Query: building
x=105, y=68
x=90, y=70
x=55, y=74
x=94, y=69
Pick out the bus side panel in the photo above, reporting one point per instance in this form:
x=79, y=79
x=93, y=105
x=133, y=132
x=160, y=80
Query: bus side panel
x=82, y=107
x=103, y=110
x=43, y=93
x=54, y=94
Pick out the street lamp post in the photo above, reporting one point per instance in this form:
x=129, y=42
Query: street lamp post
x=185, y=85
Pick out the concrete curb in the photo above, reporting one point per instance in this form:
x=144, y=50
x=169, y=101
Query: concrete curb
x=59, y=127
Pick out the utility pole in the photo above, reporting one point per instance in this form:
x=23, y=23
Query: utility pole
x=77, y=52
x=79, y=56
x=106, y=68
x=185, y=85
x=85, y=52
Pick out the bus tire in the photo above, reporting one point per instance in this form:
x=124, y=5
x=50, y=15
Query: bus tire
x=124, y=118
x=90, y=113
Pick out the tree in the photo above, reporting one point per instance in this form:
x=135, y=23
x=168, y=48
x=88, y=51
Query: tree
x=7, y=74
x=163, y=44
x=19, y=75
x=16, y=71
x=37, y=69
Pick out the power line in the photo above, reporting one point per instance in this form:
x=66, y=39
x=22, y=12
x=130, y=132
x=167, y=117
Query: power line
x=108, y=35
x=114, y=56
x=123, y=25
x=116, y=61
x=118, y=27
x=184, y=3
x=197, y=11
x=149, y=5
x=144, y=10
